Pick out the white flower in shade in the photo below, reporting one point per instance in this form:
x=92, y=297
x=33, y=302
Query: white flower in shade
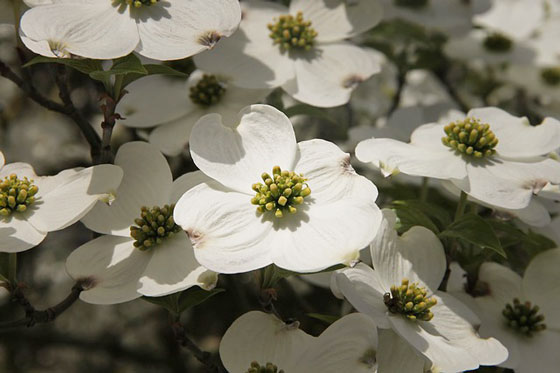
x=490, y=155
x=31, y=205
x=105, y=29
x=300, y=48
x=300, y=205
x=522, y=313
x=176, y=111
x=257, y=339
x=401, y=294
x=143, y=251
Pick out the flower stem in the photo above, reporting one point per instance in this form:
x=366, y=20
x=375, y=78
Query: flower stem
x=424, y=190
x=461, y=206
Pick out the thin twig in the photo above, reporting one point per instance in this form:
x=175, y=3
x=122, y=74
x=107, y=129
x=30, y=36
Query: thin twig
x=67, y=108
x=33, y=316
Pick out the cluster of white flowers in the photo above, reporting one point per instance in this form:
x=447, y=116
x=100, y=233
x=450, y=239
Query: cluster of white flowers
x=262, y=200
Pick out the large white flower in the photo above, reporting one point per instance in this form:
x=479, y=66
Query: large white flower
x=176, y=111
x=31, y=205
x=105, y=29
x=299, y=206
x=143, y=251
x=257, y=339
x=401, y=294
x=301, y=49
x=522, y=313
x=490, y=155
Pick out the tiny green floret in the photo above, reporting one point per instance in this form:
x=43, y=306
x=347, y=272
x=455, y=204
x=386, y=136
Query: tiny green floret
x=267, y=368
x=412, y=3
x=208, y=91
x=153, y=226
x=16, y=194
x=470, y=137
x=280, y=192
x=524, y=318
x=291, y=32
x=551, y=76
x=410, y=300
x=498, y=43
x=141, y=3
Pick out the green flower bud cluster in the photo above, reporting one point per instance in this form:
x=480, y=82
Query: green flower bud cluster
x=153, y=226
x=291, y=32
x=551, y=75
x=280, y=192
x=208, y=91
x=411, y=3
x=268, y=368
x=140, y=3
x=410, y=300
x=497, y=42
x=524, y=317
x=16, y=194
x=470, y=137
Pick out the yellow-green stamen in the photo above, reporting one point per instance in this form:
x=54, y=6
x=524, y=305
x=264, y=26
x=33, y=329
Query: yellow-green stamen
x=497, y=43
x=411, y=3
x=410, y=300
x=208, y=91
x=280, y=192
x=16, y=194
x=524, y=317
x=140, y=3
x=153, y=226
x=267, y=368
x=470, y=137
x=551, y=76
x=291, y=32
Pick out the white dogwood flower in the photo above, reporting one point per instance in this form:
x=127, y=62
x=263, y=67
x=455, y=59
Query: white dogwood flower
x=31, y=205
x=143, y=251
x=300, y=48
x=258, y=340
x=522, y=312
x=300, y=205
x=490, y=155
x=401, y=294
x=106, y=29
x=175, y=112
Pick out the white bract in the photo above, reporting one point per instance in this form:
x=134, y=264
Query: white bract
x=31, y=205
x=176, y=111
x=300, y=205
x=490, y=155
x=257, y=339
x=401, y=294
x=105, y=29
x=300, y=48
x=522, y=313
x=143, y=251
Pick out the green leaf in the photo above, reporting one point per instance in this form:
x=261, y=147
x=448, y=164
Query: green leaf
x=410, y=216
x=270, y=275
x=304, y=109
x=121, y=66
x=179, y=302
x=86, y=66
x=475, y=230
x=153, y=69
x=437, y=213
x=327, y=319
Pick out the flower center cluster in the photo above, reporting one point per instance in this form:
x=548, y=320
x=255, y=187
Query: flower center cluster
x=140, y=3
x=551, y=76
x=153, y=226
x=524, y=317
x=412, y=3
x=267, y=368
x=291, y=32
x=16, y=194
x=280, y=192
x=497, y=42
x=410, y=300
x=470, y=137
x=208, y=91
